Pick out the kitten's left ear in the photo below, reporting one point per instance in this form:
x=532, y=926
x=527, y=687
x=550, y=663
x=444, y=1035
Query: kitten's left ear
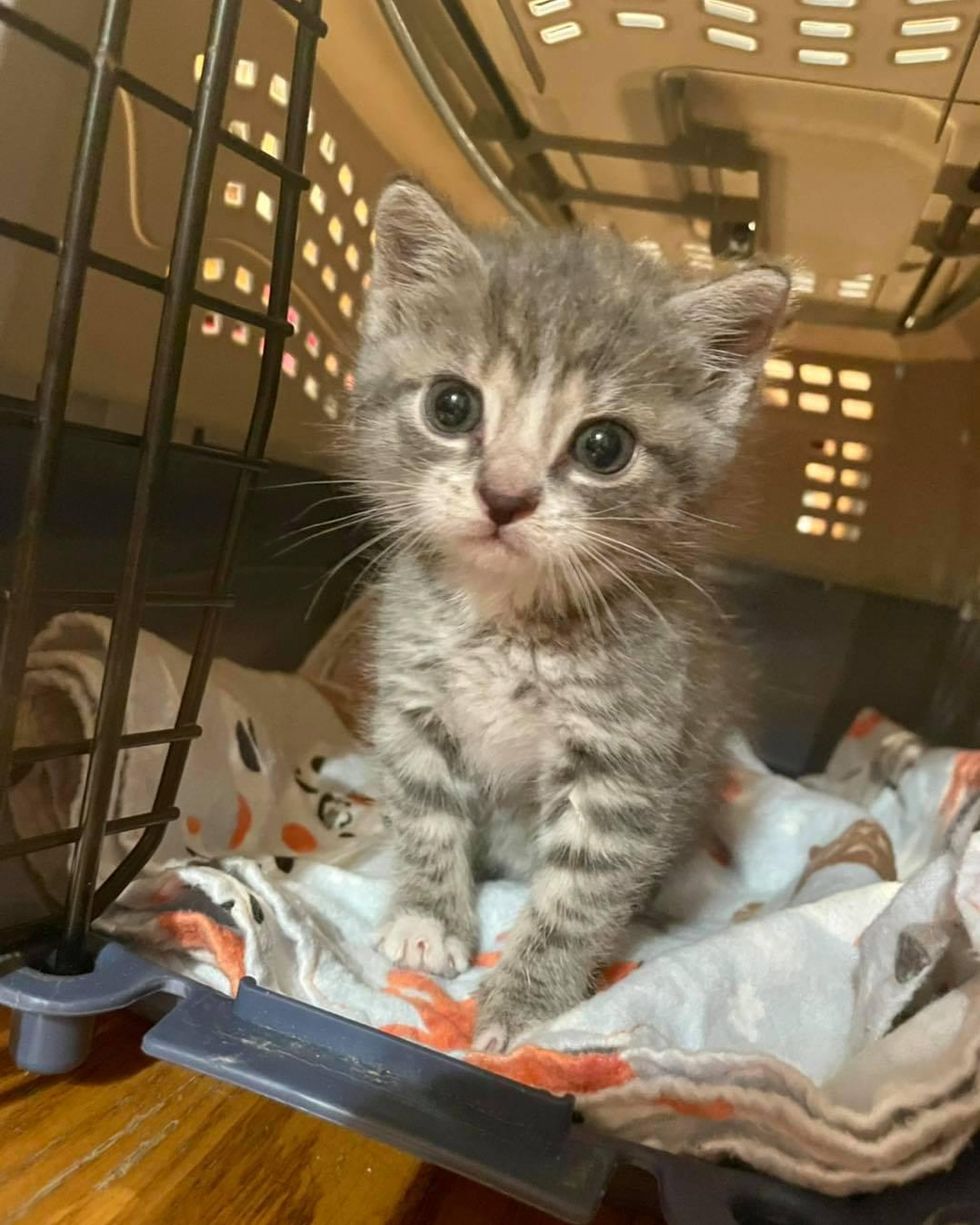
x=738, y=316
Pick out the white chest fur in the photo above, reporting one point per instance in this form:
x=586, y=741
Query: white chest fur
x=501, y=714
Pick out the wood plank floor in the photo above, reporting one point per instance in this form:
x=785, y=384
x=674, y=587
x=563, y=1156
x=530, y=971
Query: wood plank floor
x=126, y=1140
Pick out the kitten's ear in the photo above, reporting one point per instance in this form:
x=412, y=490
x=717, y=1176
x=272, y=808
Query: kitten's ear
x=417, y=242
x=738, y=316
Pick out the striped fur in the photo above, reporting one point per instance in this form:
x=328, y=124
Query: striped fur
x=552, y=698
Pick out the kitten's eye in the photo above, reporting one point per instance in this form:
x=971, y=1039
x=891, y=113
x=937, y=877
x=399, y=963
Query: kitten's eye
x=453, y=407
x=603, y=446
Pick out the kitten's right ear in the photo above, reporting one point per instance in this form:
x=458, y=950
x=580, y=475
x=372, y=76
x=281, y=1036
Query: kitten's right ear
x=417, y=242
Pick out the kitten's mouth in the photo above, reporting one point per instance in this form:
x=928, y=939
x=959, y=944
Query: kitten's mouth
x=491, y=543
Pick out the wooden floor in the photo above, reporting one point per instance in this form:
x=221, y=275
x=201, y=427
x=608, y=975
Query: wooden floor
x=126, y=1140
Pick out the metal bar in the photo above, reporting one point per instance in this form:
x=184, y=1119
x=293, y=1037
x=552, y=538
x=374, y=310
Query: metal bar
x=688, y=152
x=307, y=15
x=70, y=955
x=159, y=818
x=696, y=204
x=40, y=33
x=409, y=48
x=23, y=412
x=523, y=44
x=59, y=355
x=124, y=271
x=280, y=281
x=951, y=229
x=954, y=88
x=185, y=114
x=78, y=748
x=154, y=599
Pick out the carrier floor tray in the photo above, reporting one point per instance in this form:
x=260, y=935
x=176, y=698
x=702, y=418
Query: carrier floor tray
x=521, y=1141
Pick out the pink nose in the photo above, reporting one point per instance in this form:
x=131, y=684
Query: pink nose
x=504, y=508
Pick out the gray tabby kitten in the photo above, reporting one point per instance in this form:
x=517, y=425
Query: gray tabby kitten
x=538, y=417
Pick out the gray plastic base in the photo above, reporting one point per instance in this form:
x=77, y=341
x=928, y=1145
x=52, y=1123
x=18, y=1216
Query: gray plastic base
x=500, y=1133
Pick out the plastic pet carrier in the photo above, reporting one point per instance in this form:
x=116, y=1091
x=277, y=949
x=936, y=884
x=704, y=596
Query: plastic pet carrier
x=185, y=236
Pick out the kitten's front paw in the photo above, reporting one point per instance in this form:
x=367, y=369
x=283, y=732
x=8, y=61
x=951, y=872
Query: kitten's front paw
x=503, y=1014
x=421, y=942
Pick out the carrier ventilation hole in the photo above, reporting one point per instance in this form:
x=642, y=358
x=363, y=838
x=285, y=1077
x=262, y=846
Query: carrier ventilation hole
x=240, y=128
x=642, y=21
x=331, y=408
x=311, y=253
x=775, y=397
x=213, y=268
x=853, y=478
x=366, y=281
x=198, y=67
x=335, y=228
x=826, y=29
x=857, y=410
x=345, y=178
x=846, y=505
x=820, y=474
x=348, y=382
x=234, y=195
x=650, y=247
x=727, y=11
x=331, y=365
x=264, y=296
x=826, y=446
x=362, y=214
x=279, y=89
x=312, y=344
x=830, y=4
x=264, y=205
x=854, y=380
x=856, y=287
x=779, y=368
x=318, y=199
x=293, y=318
x=926, y=26
x=922, y=55
x=816, y=57
x=290, y=367
x=846, y=531
x=270, y=144
x=564, y=32
x=311, y=388
x=817, y=499
x=816, y=376
x=811, y=525
x=352, y=257
x=211, y=324
x=329, y=278
x=345, y=304
x=241, y=334
x=328, y=148
x=244, y=280
x=804, y=281
x=857, y=452
x=731, y=39
x=814, y=402
x=246, y=74
x=545, y=8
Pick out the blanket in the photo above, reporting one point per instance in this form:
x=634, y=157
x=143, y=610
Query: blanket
x=804, y=997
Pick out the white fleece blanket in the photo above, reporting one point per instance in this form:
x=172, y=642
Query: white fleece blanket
x=805, y=999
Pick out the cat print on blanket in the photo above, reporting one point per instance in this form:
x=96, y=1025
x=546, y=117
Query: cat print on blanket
x=540, y=417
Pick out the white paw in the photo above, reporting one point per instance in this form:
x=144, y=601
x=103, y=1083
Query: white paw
x=420, y=942
x=492, y=1040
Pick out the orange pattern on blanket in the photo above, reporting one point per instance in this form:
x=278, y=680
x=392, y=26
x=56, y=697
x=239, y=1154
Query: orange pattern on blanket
x=298, y=838
x=717, y=1109
x=558, y=1071
x=243, y=823
x=193, y=825
x=193, y=931
x=615, y=973
x=864, y=724
x=965, y=781
x=447, y=1023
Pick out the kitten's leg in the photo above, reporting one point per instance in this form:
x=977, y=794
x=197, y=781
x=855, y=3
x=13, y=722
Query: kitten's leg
x=429, y=805
x=597, y=856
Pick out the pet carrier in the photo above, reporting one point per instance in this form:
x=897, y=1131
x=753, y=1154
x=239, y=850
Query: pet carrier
x=185, y=236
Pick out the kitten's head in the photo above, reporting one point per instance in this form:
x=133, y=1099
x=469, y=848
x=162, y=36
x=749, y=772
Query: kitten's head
x=538, y=410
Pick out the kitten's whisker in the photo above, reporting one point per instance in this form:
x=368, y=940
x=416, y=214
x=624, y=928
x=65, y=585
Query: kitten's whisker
x=349, y=557
x=657, y=563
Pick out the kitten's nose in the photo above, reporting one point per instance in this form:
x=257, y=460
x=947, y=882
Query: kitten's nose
x=504, y=508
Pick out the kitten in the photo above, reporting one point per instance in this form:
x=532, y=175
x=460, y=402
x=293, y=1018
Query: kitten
x=538, y=417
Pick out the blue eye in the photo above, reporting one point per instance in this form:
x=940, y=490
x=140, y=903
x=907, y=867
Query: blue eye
x=603, y=446
x=453, y=407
